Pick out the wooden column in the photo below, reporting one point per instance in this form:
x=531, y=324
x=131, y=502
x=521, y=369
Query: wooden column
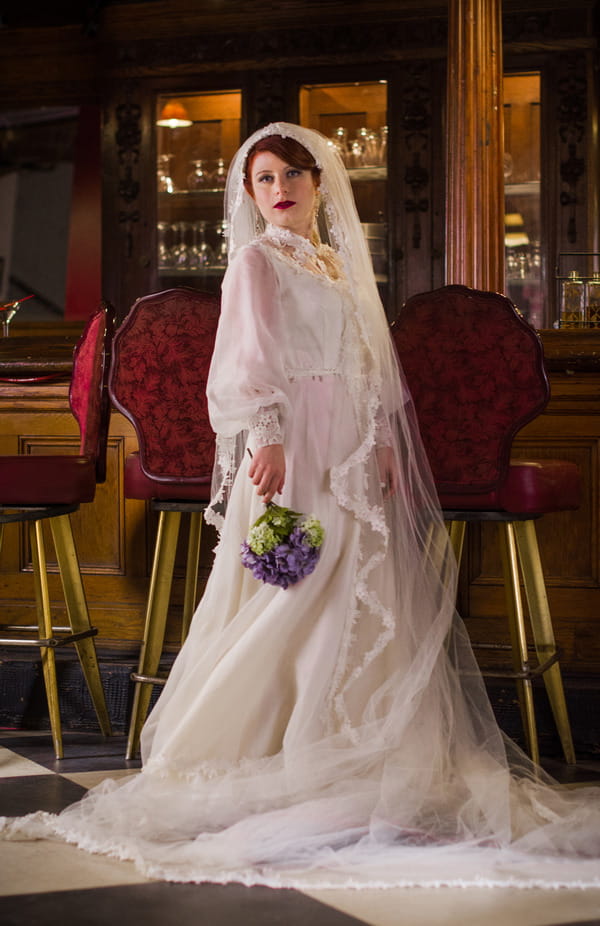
x=475, y=146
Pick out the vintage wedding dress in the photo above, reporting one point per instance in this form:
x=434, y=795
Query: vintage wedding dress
x=337, y=732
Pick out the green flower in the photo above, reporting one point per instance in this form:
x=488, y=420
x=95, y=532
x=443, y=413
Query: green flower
x=313, y=530
x=262, y=539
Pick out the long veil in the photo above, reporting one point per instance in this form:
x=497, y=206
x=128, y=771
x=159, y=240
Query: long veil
x=410, y=781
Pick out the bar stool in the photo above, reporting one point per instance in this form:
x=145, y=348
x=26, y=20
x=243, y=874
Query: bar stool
x=161, y=357
x=475, y=369
x=48, y=488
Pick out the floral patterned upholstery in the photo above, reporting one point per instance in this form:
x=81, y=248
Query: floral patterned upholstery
x=475, y=369
x=161, y=357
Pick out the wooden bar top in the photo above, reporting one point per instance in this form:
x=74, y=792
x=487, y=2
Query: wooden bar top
x=29, y=358
x=572, y=349
x=26, y=357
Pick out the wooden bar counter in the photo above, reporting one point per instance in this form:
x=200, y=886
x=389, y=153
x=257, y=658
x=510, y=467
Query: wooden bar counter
x=115, y=537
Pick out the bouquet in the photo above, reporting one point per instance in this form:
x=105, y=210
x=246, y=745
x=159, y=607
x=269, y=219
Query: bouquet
x=283, y=546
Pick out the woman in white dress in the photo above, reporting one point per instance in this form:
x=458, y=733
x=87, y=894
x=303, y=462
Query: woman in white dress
x=336, y=732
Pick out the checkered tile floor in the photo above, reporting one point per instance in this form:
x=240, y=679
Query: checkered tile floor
x=46, y=884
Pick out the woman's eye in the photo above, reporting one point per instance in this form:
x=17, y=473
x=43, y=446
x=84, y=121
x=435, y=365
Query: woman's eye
x=293, y=173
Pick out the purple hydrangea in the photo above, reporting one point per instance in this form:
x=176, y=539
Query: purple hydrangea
x=294, y=557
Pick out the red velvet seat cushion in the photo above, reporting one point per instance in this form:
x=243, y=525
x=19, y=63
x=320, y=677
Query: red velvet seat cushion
x=531, y=487
x=46, y=480
x=138, y=485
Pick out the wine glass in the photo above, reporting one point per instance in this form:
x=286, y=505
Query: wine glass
x=164, y=254
x=339, y=140
x=221, y=251
x=8, y=312
x=201, y=254
x=383, y=144
x=164, y=179
x=355, y=157
x=198, y=177
x=219, y=178
x=371, y=149
x=180, y=252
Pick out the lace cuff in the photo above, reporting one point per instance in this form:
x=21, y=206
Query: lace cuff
x=383, y=432
x=265, y=426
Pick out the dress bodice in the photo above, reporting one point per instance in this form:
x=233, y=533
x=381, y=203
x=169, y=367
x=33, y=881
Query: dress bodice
x=315, y=307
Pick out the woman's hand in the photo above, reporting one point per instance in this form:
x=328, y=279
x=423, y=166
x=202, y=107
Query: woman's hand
x=388, y=471
x=267, y=471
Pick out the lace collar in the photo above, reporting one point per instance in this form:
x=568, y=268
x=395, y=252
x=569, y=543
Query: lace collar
x=319, y=259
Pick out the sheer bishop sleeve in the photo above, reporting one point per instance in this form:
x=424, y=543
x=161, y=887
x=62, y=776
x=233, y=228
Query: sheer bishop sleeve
x=247, y=386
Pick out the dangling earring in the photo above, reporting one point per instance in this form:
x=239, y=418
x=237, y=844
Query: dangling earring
x=315, y=236
x=317, y=205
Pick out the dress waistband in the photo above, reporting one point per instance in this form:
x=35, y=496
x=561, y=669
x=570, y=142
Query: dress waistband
x=303, y=373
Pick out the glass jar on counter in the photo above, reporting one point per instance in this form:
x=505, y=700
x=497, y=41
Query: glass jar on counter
x=593, y=301
x=572, y=301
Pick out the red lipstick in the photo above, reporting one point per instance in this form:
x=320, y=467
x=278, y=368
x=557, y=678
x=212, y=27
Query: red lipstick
x=285, y=204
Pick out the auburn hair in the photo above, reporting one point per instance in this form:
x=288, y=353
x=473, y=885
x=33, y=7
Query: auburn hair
x=288, y=150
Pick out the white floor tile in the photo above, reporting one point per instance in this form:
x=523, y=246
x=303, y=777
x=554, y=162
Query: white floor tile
x=12, y=765
x=34, y=867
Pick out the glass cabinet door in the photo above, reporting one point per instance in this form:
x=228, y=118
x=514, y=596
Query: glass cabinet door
x=524, y=276
x=197, y=135
x=354, y=117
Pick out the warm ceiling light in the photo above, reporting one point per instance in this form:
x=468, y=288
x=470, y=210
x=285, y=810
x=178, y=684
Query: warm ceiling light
x=174, y=115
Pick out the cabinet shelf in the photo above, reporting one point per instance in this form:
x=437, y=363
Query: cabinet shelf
x=361, y=174
x=205, y=272
x=209, y=192
x=529, y=188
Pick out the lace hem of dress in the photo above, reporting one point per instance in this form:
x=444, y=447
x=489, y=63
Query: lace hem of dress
x=366, y=873
x=265, y=427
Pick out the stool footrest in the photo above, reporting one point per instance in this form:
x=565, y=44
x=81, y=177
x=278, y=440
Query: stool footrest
x=528, y=671
x=148, y=679
x=69, y=636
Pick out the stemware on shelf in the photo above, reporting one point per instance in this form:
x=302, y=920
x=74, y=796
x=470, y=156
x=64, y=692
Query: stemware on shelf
x=180, y=252
x=198, y=178
x=221, y=250
x=163, y=171
x=164, y=252
x=371, y=149
x=339, y=140
x=383, y=143
x=201, y=254
x=355, y=155
x=219, y=178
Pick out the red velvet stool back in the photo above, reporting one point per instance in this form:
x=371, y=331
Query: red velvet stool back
x=161, y=358
x=38, y=488
x=475, y=369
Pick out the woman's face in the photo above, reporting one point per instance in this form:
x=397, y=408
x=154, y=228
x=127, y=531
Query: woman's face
x=284, y=195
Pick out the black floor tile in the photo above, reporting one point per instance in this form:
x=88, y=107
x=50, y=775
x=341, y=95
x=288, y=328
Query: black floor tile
x=159, y=904
x=82, y=752
x=580, y=773
x=26, y=794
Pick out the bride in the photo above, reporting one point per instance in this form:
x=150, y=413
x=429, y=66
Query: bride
x=335, y=732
